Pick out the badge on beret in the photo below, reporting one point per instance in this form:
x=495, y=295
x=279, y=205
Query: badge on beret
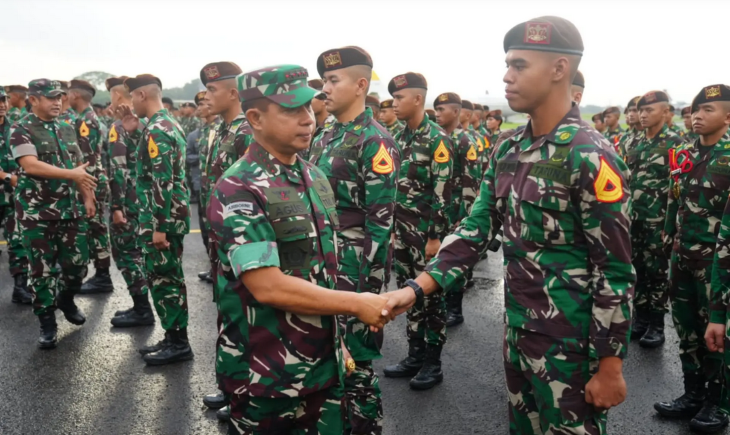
x=113, y=134
x=382, y=162
x=608, y=185
x=712, y=92
x=442, y=154
x=212, y=72
x=650, y=97
x=443, y=97
x=471, y=155
x=152, y=148
x=400, y=81
x=538, y=33
x=332, y=60
x=84, y=129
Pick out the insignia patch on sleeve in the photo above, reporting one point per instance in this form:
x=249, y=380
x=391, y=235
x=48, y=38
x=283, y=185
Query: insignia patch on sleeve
x=442, y=154
x=382, y=162
x=84, y=129
x=608, y=185
x=113, y=134
x=471, y=155
x=239, y=205
x=152, y=148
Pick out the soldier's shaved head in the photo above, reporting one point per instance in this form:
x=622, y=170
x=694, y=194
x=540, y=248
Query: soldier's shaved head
x=147, y=100
x=345, y=90
x=359, y=72
x=82, y=94
x=222, y=96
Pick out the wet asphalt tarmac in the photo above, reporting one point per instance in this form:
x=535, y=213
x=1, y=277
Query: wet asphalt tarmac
x=96, y=383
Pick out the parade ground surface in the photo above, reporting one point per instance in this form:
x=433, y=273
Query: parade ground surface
x=96, y=383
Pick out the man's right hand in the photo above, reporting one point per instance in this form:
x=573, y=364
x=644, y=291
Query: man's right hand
x=118, y=218
x=370, y=309
x=83, y=178
x=715, y=337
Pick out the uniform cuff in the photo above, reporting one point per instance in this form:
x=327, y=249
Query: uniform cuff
x=717, y=316
x=254, y=256
x=610, y=346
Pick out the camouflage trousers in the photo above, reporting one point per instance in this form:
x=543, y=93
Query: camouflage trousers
x=48, y=243
x=546, y=378
x=319, y=413
x=363, y=401
x=203, y=221
x=128, y=255
x=98, y=238
x=651, y=264
x=167, y=283
x=17, y=255
x=426, y=320
x=689, y=292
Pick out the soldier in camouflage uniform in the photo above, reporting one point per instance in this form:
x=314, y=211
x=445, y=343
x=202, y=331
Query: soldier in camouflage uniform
x=89, y=135
x=648, y=159
x=273, y=223
x=613, y=131
x=466, y=176
x=632, y=119
x=421, y=222
x=49, y=208
x=188, y=121
x=467, y=108
x=494, y=125
x=68, y=114
x=670, y=122
x=577, y=88
x=388, y=119
x=598, y=122
x=690, y=136
x=359, y=158
x=699, y=184
x=17, y=256
x=561, y=195
x=124, y=207
x=164, y=214
x=478, y=129
x=16, y=99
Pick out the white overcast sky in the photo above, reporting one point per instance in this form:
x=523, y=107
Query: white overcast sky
x=631, y=47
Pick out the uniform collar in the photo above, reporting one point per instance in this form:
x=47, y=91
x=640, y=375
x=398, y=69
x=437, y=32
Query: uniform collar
x=273, y=166
x=423, y=127
x=357, y=125
x=236, y=121
x=562, y=134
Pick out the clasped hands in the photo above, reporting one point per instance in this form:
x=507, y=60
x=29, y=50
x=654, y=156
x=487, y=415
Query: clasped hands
x=377, y=310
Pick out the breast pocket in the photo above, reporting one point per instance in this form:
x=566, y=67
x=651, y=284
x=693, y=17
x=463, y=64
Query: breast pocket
x=294, y=237
x=419, y=163
x=548, y=220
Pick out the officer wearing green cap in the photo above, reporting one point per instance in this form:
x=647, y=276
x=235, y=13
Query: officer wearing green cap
x=560, y=193
x=164, y=214
x=49, y=208
x=701, y=174
x=273, y=218
x=648, y=160
x=632, y=120
x=17, y=256
x=361, y=161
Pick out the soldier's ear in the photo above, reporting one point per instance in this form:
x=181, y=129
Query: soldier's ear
x=253, y=116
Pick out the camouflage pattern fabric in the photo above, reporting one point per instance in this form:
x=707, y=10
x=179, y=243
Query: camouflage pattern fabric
x=68, y=116
x=614, y=136
x=720, y=290
x=266, y=214
x=424, y=192
x=546, y=378
x=563, y=204
x=316, y=413
x=361, y=161
x=691, y=136
x=189, y=124
x=16, y=114
x=126, y=248
x=207, y=136
x=89, y=134
x=466, y=174
x=363, y=401
x=395, y=128
x=626, y=141
x=164, y=207
x=486, y=137
x=648, y=160
x=677, y=129
x=17, y=255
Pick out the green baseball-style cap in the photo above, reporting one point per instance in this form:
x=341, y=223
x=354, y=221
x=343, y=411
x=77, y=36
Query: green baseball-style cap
x=45, y=87
x=3, y=94
x=285, y=85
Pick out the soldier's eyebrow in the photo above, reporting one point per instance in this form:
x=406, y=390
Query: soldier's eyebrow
x=517, y=61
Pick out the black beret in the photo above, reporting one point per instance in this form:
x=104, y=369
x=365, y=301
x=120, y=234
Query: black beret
x=83, y=85
x=466, y=104
x=494, y=114
x=447, y=98
x=478, y=107
x=114, y=81
x=553, y=34
x=386, y=104
x=316, y=84
x=686, y=110
x=671, y=108
x=97, y=106
x=431, y=114
x=189, y=104
x=632, y=103
x=64, y=85
x=372, y=100
x=407, y=80
x=579, y=80
x=132, y=83
x=485, y=108
x=16, y=88
x=597, y=115
x=217, y=71
x=199, y=97
x=651, y=98
x=612, y=109
x=345, y=57
x=710, y=94
x=167, y=100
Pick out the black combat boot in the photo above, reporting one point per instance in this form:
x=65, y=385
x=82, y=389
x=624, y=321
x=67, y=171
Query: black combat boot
x=140, y=315
x=157, y=346
x=640, y=325
x=21, y=295
x=178, y=350
x=410, y=366
x=454, y=315
x=430, y=374
x=205, y=276
x=65, y=303
x=101, y=282
x=654, y=336
x=215, y=401
x=688, y=404
x=224, y=414
x=120, y=312
x=710, y=418
x=49, y=331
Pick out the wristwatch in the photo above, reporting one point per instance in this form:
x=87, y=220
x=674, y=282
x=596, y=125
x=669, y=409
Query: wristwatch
x=416, y=289
x=7, y=178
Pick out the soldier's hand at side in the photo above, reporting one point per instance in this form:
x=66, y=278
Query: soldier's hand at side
x=160, y=241
x=118, y=218
x=90, y=206
x=83, y=178
x=370, y=309
x=715, y=337
x=607, y=388
x=432, y=248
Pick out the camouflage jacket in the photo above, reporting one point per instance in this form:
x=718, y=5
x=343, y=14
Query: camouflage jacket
x=267, y=214
x=189, y=124
x=424, y=186
x=230, y=144
x=614, y=136
x=648, y=160
x=720, y=293
x=695, y=216
x=677, y=129
x=15, y=114
x=563, y=202
x=690, y=136
x=89, y=134
x=466, y=171
x=207, y=137
x=69, y=117
x=626, y=141
x=395, y=128
x=123, y=169
x=7, y=164
x=53, y=143
x=494, y=136
x=163, y=195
